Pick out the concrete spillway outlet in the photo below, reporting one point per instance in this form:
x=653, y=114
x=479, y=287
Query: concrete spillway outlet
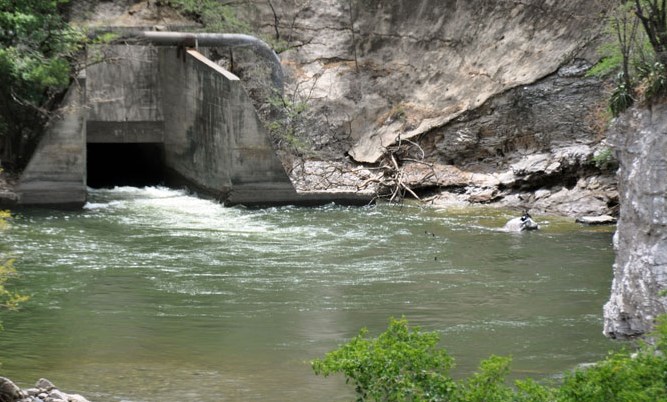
x=138, y=164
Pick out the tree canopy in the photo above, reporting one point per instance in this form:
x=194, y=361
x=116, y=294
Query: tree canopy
x=37, y=51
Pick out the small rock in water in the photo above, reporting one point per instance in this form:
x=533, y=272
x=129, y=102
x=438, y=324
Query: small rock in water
x=45, y=384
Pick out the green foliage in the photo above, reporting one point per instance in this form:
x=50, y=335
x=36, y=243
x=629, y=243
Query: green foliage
x=638, y=53
x=605, y=159
x=621, y=97
x=620, y=377
x=487, y=385
x=610, y=62
x=655, y=81
x=287, y=127
x=8, y=299
x=214, y=15
x=37, y=50
x=401, y=364
x=404, y=364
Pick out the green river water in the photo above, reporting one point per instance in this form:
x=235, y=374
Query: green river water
x=154, y=295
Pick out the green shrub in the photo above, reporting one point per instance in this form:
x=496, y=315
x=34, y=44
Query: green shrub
x=8, y=299
x=401, y=364
x=605, y=159
x=621, y=97
x=487, y=385
x=214, y=15
x=619, y=378
x=655, y=82
x=288, y=124
x=404, y=364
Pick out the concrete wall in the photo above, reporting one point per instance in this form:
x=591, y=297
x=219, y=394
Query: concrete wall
x=213, y=139
x=56, y=174
x=124, y=95
x=213, y=136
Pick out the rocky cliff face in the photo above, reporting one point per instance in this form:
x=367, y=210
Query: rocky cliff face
x=459, y=101
x=477, y=86
x=640, y=269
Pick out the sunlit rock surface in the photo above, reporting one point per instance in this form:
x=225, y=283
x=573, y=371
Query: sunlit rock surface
x=479, y=87
x=640, y=269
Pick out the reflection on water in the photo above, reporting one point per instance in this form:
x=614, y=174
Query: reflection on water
x=152, y=294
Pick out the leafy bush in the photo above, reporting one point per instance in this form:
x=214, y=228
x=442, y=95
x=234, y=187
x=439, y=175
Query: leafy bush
x=401, y=364
x=8, y=299
x=654, y=83
x=404, y=364
x=623, y=376
x=637, y=53
x=214, y=15
x=288, y=124
x=604, y=159
x=621, y=97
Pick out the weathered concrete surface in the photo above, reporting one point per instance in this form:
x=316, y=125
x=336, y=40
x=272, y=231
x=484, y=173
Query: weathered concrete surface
x=640, y=269
x=213, y=136
x=123, y=95
x=56, y=174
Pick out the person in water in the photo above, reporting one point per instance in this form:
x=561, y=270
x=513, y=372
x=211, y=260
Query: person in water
x=525, y=222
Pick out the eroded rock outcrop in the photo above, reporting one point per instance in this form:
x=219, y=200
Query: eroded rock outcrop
x=382, y=69
x=640, y=269
x=477, y=86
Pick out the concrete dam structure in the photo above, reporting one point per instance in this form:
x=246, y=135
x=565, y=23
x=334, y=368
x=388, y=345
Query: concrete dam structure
x=150, y=115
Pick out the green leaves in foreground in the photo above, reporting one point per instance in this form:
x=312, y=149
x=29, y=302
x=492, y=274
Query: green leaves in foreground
x=404, y=364
x=8, y=299
x=401, y=364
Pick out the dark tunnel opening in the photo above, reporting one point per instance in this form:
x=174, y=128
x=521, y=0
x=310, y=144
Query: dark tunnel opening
x=137, y=164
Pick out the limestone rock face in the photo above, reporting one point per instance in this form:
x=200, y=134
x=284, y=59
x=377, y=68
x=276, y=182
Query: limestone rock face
x=491, y=95
x=373, y=70
x=640, y=269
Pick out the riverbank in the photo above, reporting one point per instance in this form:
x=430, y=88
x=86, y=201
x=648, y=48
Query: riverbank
x=441, y=186
x=563, y=182
x=43, y=391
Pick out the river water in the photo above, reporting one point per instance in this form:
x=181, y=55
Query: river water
x=154, y=295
